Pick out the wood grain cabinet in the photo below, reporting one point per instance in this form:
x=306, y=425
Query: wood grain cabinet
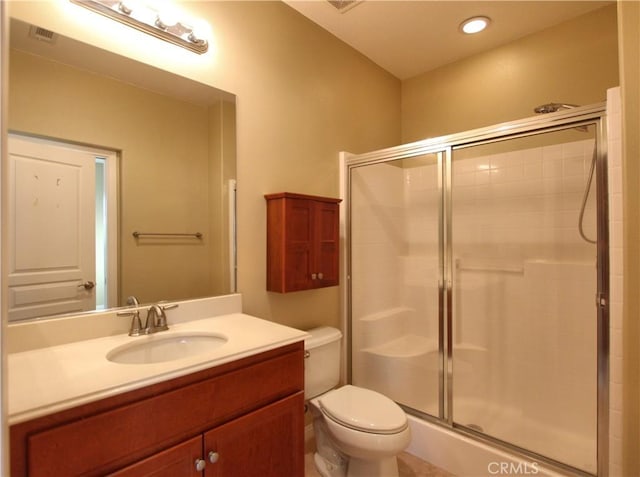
x=244, y=418
x=303, y=235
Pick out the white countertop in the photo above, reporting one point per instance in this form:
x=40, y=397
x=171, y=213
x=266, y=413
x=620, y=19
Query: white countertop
x=47, y=380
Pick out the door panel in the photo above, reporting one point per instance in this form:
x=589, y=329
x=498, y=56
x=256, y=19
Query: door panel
x=52, y=228
x=395, y=275
x=524, y=280
x=265, y=443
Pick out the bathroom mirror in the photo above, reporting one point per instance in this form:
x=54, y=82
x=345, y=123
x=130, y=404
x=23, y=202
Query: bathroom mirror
x=172, y=147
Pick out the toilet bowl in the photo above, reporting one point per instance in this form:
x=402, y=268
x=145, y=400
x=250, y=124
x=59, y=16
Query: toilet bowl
x=358, y=432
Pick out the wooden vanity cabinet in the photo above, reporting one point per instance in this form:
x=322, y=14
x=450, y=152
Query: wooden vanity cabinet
x=256, y=445
x=244, y=418
x=303, y=238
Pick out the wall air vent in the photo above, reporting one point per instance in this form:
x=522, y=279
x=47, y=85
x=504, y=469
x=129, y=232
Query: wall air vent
x=344, y=5
x=42, y=34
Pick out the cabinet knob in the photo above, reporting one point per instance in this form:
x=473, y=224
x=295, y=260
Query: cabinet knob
x=213, y=457
x=200, y=464
x=314, y=276
x=320, y=276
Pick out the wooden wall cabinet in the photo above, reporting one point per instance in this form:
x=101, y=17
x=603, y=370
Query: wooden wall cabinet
x=244, y=418
x=303, y=242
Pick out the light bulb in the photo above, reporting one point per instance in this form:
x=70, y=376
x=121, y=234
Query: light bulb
x=166, y=19
x=474, y=25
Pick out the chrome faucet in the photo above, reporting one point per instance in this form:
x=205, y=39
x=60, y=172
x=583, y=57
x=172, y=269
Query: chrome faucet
x=136, y=324
x=156, y=319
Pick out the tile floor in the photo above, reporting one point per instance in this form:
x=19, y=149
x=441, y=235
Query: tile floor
x=408, y=466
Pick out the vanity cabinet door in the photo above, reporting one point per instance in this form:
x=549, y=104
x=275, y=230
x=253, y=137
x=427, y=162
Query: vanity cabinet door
x=302, y=242
x=268, y=442
x=177, y=461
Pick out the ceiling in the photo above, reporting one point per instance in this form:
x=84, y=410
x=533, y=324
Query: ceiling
x=410, y=37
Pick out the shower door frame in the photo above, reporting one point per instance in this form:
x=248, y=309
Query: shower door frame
x=580, y=116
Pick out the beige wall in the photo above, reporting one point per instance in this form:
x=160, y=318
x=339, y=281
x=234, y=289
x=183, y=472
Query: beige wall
x=308, y=97
x=629, y=40
x=506, y=83
x=164, y=164
x=302, y=96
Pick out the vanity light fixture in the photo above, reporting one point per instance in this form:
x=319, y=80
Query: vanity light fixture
x=474, y=25
x=160, y=24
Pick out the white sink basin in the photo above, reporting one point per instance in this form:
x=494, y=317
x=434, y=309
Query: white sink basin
x=159, y=348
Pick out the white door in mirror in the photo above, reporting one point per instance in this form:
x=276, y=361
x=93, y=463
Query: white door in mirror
x=51, y=228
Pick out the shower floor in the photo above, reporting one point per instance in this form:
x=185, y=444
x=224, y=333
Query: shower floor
x=510, y=425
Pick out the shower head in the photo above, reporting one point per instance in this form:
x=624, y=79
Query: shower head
x=553, y=107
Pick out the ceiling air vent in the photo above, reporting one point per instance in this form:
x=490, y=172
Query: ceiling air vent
x=42, y=34
x=344, y=5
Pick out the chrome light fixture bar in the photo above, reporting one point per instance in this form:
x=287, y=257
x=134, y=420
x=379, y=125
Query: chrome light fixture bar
x=147, y=19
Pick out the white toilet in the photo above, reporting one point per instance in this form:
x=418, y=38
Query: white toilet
x=358, y=432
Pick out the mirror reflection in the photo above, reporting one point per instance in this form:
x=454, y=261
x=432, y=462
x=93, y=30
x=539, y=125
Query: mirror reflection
x=114, y=160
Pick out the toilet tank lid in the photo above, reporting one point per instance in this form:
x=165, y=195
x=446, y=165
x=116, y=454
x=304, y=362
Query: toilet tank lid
x=321, y=336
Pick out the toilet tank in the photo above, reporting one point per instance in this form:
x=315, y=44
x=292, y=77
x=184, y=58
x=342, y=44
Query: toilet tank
x=322, y=361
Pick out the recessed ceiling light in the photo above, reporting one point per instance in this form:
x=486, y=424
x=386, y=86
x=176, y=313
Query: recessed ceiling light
x=474, y=25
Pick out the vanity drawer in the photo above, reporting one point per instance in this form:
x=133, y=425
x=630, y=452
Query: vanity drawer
x=105, y=441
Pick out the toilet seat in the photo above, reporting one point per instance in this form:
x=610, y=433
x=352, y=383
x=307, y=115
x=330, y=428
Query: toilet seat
x=363, y=410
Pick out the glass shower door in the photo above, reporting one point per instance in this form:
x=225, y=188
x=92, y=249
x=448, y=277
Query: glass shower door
x=524, y=278
x=395, y=271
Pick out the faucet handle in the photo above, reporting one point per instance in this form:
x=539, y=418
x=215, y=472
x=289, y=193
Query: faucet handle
x=167, y=306
x=136, y=325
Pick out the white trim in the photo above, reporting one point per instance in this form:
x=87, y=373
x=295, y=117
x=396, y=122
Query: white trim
x=233, y=265
x=4, y=65
x=111, y=176
x=343, y=157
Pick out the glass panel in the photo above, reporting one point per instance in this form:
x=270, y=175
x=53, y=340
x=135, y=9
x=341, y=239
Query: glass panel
x=524, y=282
x=395, y=208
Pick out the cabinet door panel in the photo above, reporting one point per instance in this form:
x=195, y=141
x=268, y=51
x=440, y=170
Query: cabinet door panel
x=299, y=244
x=266, y=443
x=178, y=461
x=327, y=238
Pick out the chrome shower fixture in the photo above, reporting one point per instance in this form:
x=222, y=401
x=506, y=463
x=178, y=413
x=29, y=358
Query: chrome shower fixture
x=553, y=107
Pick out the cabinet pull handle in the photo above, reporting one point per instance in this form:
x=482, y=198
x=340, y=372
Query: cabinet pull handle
x=320, y=276
x=200, y=464
x=213, y=457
